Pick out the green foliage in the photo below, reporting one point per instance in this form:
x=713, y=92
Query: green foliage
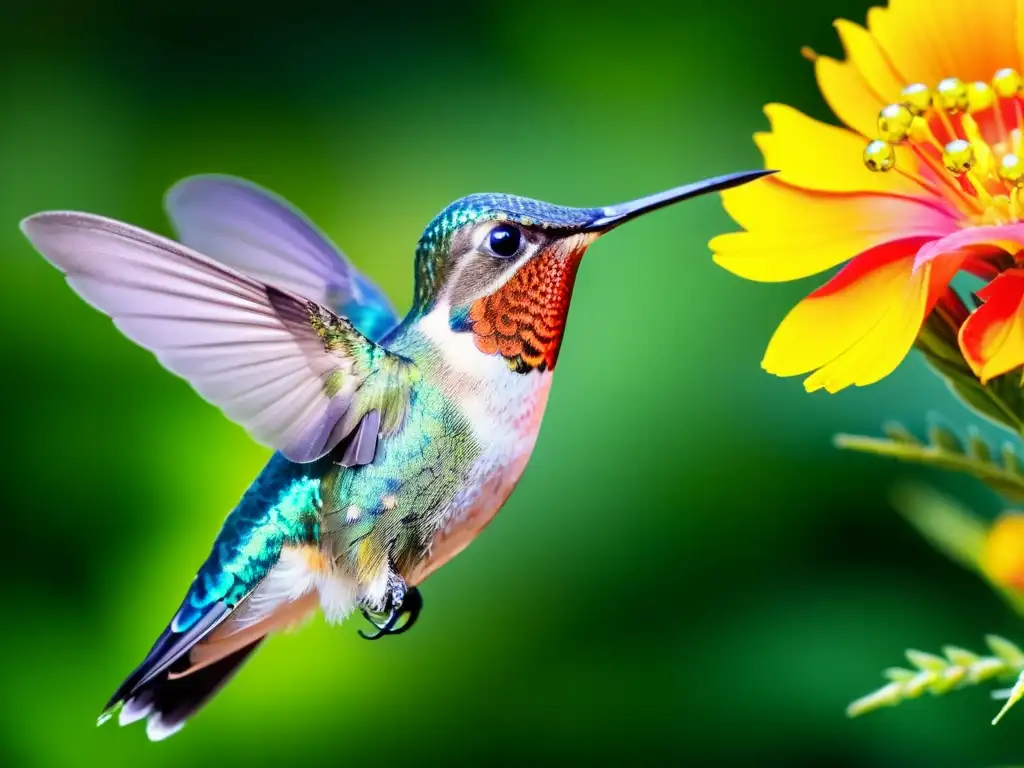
x=947, y=525
x=1015, y=695
x=1003, y=471
x=951, y=529
x=957, y=668
x=1000, y=400
x=961, y=535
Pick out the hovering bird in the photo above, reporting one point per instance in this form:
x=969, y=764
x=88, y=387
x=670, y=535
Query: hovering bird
x=396, y=441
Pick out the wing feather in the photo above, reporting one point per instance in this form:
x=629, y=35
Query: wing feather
x=258, y=233
x=295, y=375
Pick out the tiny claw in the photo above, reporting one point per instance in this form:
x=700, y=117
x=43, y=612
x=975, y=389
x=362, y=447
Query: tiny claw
x=410, y=606
x=383, y=629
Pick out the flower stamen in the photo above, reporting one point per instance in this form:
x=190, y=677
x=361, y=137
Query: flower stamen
x=894, y=123
x=879, y=156
x=1006, y=82
x=1011, y=169
x=983, y=175
x=958, y=157
x=917, y=97
x=980, y=95
x=921, y=133
x=952, y=184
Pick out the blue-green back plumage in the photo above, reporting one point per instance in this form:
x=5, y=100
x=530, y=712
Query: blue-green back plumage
x=282, y=506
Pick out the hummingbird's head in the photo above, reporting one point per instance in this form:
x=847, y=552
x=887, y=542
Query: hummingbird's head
x=502, y=267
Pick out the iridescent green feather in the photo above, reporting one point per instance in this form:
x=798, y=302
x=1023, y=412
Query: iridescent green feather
x=418, y=470
x=281, y=507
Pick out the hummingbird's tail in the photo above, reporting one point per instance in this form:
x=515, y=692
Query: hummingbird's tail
x=168, y=700
x=202, y=649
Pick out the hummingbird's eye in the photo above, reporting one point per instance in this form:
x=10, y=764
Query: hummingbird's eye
x=504, y=241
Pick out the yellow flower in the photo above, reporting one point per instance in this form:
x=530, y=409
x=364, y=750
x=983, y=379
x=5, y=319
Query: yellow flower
x=924, y=182
x=1003, y=555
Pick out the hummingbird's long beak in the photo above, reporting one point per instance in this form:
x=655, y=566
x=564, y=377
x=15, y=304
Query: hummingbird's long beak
x=614, y=215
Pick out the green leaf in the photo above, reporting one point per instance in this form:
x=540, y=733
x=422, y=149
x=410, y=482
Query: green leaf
x=1004, y=472
x=959, y=656
x=939, y=675
x=926, y=662
x=954, y=531
x=951, y=528
x=1016, y=694
x=946, y=440
x=1008, y=651
x=1001, y=400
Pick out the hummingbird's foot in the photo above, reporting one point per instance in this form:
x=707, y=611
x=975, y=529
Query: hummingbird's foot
x=388, y=623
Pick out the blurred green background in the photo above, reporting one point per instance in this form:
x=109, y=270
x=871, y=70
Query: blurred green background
x=688, y=572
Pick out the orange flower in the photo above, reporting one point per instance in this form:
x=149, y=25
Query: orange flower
x=931, y=87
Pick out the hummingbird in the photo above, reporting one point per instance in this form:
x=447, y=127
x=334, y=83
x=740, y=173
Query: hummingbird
x=395, y=441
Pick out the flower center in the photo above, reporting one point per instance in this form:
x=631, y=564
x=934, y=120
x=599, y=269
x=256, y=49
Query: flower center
x=969, y=139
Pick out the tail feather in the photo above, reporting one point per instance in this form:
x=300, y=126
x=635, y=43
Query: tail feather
x=168, y=648
x=168, y=700
x=211, y=634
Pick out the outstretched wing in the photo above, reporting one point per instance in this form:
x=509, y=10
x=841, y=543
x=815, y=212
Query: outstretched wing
x=299, y=378
x=256, y=232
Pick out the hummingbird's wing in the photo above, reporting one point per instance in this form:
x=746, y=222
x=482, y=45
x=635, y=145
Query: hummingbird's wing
x=298, y=377
x=256, y=232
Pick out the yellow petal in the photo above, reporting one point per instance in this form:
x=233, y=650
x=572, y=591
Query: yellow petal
x=858, y=87
x=902, y=298
x=928, y=40
x=1003, y=557
x=856, y=328
x=822, y=157
x=866, y=55
x=792, y=233
x=848, y=94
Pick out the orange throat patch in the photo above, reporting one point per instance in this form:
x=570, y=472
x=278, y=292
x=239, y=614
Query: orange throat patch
x=524, y=320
